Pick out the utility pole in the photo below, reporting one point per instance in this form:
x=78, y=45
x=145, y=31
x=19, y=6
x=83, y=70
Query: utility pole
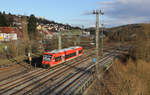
x=97, y=12
x=59, y=40
x=24, y=29
x=26, y=37
x=25, y=32
x=102, y=40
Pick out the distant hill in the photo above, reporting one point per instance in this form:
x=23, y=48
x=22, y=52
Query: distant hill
x=137, y=36
x=92, y=31
x=128, y=32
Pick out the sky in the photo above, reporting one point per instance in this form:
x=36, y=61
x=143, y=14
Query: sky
x=78, y=12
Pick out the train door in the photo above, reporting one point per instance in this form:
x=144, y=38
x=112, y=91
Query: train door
x=63, y=57
x=53, y=61
x=77, y=53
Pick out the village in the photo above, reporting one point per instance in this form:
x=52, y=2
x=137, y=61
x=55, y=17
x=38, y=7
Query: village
x=48, y=31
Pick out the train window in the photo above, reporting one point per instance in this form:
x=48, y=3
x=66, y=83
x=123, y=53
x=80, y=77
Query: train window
x=47, y=57
x=67, y=56
x=74, y=54
x=70, y=55
x=80, y=51
x=57, y=59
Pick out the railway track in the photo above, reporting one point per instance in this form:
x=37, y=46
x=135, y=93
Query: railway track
x=31, y=82
x=69, y=84
x=19, y=70
x=52, y=68
x=75, y=83
x=52, y=85
x=6, y=87
x=59, y=78
x=14, y=71
x=71, y=80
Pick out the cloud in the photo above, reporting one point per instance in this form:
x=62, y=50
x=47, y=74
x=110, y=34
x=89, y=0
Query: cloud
x=126, y=11
x=87, y=13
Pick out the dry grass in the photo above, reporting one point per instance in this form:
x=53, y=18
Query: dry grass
x=124, y=79
x=4, y=61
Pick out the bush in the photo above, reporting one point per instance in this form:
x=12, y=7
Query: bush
x=2, y=52
x=12, y=50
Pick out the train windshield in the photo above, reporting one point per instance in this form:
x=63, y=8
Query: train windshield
x=47, y=57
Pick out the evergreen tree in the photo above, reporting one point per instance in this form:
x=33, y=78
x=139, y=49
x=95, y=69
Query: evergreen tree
x=9, y=14
x=3, y=21
x=3, y=12
x=10, y=21
x=32, y=23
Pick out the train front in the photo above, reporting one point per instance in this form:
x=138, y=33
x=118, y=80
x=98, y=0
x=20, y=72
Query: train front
x=46, y=62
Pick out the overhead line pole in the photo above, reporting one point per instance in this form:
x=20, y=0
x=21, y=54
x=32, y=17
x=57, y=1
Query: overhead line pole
x=61, y=33
x=59, y=40
x=102, y=40
x=26, y=38
x=97, y=12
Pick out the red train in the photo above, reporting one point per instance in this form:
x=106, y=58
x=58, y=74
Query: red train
x=59, y=56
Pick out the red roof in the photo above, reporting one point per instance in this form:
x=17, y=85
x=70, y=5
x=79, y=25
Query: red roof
x=7, y=30
x=11, y=30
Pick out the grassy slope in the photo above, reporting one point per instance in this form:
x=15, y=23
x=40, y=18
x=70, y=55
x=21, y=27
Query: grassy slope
x=124, y=79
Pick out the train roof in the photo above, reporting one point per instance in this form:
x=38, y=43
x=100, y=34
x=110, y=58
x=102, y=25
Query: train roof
x=65, y=49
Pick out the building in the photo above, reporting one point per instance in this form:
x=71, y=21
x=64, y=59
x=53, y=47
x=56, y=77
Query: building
x=85, y=33
x=9, y=34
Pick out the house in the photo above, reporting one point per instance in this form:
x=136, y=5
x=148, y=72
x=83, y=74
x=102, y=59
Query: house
x=85, y=33
x=9, y=34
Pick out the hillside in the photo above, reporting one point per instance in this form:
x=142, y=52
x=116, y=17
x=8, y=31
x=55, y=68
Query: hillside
x=15, y=21
x=123, y=79
x=46, y=21
x=128, y=32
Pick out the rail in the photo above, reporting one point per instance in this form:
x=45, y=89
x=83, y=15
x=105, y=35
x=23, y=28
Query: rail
x=87, y=83
x=106, y=64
